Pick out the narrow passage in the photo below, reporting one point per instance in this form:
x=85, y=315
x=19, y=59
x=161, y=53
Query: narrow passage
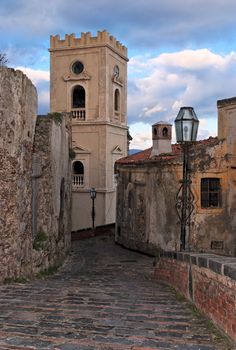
x=104, y=297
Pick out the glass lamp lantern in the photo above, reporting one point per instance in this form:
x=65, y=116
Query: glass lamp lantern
x=186, y=125
x=93, y=193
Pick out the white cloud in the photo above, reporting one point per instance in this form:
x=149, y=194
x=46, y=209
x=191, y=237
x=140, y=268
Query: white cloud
x=40, y=78
x=35, y=75
x=193, y=59
x=196, y=78
x=141, y=134
x=147, y=112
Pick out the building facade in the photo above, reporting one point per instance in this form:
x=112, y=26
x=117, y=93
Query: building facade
x=89, y=80
x=148, y=184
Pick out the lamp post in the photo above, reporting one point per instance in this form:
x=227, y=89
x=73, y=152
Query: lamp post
x=186, y=127
x=93, y=196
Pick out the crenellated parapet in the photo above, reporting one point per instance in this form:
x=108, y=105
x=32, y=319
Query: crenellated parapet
x=103, y=38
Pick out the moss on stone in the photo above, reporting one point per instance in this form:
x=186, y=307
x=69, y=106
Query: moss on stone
x=20, y=279
x=40, y=240
x=72, y=154
x=47, y=272
x=56, y=116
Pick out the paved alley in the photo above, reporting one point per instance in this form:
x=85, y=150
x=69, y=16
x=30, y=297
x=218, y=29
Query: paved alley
x=103, y=298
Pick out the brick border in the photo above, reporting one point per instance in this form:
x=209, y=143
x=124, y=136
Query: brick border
x=207, y=280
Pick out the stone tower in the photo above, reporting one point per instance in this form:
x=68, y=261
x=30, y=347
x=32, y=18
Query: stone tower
x=161, y=138
x=89, y=79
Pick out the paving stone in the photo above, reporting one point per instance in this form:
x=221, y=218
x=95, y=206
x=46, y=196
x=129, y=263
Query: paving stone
x=103, y=298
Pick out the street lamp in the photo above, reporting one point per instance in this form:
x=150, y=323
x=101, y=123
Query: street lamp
x=186, y=127
x=93, y=196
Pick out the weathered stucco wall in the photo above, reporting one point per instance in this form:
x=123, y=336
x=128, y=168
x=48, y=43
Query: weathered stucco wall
x=18, y=103
x=146, y=203
x=209, y=225
x=146, y=215
x=35, y=177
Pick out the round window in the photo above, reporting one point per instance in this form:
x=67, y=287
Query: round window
x=77, y=67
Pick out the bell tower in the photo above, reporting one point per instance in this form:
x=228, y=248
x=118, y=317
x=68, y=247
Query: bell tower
x=88, y=77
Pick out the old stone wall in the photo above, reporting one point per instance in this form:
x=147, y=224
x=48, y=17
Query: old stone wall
x=18, y=103
x=35, y=181
x=51, y=191
x=209, y=281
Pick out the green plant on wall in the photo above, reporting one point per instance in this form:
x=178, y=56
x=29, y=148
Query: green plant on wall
x=72, y=154
x=20, y=279
x=48, y=272
x=57, y=117
x=40, y=240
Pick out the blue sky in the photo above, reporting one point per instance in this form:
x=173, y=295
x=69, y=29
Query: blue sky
x=182, y=52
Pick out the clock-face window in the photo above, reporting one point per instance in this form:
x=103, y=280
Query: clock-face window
x=77, y=67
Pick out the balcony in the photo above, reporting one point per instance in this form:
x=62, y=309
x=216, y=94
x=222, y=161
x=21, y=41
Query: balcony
x=77, y=181
x=78, y=114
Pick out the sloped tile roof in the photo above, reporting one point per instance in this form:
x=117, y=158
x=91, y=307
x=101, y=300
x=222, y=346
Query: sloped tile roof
x=144, y=156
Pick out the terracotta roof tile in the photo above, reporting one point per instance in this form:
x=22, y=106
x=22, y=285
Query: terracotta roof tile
x=144, y=156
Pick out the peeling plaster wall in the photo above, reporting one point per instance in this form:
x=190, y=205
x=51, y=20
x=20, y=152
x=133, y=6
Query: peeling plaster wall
x=18, y=103
x=146, y=215
x=146, y=197
x=213, y=224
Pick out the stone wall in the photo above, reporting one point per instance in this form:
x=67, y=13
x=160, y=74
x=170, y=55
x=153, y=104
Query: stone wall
x=35, y=177
x=209, y=281
x=18, y=103
x=51, y=191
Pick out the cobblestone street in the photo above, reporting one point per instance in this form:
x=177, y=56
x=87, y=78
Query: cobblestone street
x=103, y=298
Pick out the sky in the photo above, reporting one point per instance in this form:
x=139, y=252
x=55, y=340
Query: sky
x=181, y=52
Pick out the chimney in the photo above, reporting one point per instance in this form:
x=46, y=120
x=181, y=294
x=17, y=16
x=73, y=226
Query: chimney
x=161, y=138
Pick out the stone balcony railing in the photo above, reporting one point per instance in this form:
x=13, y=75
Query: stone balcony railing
x=78, y=114
x=77, y=181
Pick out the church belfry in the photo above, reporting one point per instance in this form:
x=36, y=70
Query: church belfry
x=88, y=77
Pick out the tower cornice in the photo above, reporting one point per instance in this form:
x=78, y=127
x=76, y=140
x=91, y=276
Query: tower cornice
x=103, y=39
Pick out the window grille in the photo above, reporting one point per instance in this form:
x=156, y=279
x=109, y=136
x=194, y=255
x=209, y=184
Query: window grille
x=210, y=193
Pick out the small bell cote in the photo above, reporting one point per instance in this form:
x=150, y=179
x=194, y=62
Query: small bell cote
x=161, y=138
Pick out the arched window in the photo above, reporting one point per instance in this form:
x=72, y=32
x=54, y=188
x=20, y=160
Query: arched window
x=165, y=132
x=78, y=97
x=78, y=168
x=117, y=100
x=78, y=174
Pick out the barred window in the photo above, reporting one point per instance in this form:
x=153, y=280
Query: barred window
x=210, y=193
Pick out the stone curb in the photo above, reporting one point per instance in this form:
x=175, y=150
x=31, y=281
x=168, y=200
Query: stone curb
x=222, y=265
